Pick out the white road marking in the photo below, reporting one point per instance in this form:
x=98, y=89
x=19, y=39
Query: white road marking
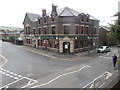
x=3, y=73
x=16, y=78
x=11, y=76
x=106, y=57
x=11, y=72
x=7, y=74
x=15, y=74
x=108, y=74
x=60, y=76
x=108, y=53
x=11, y=83
x=7, y=71
x=19, y=76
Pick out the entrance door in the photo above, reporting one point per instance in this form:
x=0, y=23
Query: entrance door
x=66, y=47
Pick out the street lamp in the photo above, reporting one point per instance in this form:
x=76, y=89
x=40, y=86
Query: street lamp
x=88, y=45
x=118, y=50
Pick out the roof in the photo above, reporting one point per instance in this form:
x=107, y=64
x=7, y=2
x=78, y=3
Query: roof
x=104, y=28
x=33, y=17
x=66, y=11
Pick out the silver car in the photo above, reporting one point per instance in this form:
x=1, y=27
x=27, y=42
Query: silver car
x=103, y=49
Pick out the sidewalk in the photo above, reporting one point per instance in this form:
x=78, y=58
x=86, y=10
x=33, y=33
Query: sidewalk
x=55, y=55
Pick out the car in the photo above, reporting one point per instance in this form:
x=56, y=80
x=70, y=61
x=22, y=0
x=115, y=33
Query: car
x=103, y=49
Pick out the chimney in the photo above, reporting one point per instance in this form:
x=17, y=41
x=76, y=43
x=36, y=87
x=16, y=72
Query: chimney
x=54, y=10
x=44, y=12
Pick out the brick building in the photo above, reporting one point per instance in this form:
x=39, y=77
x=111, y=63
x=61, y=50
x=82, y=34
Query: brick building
x=64, y=30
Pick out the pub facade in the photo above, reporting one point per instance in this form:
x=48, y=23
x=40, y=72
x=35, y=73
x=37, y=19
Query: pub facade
x=63, y=31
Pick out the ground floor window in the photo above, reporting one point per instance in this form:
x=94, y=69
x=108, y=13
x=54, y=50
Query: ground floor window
x=81, y=44
x=56, y=44
x=28, y=41
x=76, y=44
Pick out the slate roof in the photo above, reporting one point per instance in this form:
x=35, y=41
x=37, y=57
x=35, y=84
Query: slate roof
x=33, y=17
x=104, y=28
x=66, y=11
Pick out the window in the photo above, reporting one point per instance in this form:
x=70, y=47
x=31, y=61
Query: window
x=26, y=30
x=94, y=31
x=87, y=19
x=87, y=30
x=33, y=31
x=39, y=30
x=66, y=29
x=45, y=30
x=39, y=21
x=81, y=44
x=50, y=43
x=77, y=29
x=82, y=29
x=56, y=44
x=53, y=30
x=76, y=44
x=82, y=18
x=53, y=19
x=45, y=20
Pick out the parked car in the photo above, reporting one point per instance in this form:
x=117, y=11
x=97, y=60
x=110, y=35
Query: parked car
x=103, y=49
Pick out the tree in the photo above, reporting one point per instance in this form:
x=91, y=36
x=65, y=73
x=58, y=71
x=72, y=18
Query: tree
x=115, y=30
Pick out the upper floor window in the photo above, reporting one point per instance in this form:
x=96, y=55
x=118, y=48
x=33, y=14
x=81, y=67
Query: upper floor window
x=87, y=30
x=66, y=29
x=94, y=30
x=77, y=29
x=45, y=30
x=53, y=19
x=27, y=30
x=82, y=29
x=33, y=31
x=82, y=18
x=45, y=20
x=53, y=30
x=87, y=19
x=39, y=21
x=39, y=30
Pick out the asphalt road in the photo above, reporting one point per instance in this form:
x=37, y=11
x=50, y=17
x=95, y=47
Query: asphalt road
x=24, y=68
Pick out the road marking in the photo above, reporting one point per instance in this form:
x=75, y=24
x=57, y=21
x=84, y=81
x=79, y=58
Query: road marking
x=4, y=60
x=17, y=78
x=91, y=84
x=105, y=57
x=60, y=76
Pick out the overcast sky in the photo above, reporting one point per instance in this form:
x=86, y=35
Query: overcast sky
x=12, y=12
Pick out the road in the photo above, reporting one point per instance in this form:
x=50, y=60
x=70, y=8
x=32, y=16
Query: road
x=25, y=68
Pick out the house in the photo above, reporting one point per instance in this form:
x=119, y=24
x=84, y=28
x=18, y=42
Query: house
x=3, y=34
x=62, y=30
x=103, y=36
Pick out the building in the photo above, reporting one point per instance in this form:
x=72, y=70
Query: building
x=104, y=38
x=64, y=30
x=3, y=34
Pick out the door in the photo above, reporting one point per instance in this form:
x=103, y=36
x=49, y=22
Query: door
x=66, y=47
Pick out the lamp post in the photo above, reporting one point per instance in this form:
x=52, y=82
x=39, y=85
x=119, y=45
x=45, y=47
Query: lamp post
x=88, y=45
x=118, y=50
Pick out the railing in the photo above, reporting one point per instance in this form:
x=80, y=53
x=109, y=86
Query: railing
x=99, y=81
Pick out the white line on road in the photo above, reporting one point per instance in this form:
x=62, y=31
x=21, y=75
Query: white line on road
x=105, y=57
x=60, y=76
x=108, y=74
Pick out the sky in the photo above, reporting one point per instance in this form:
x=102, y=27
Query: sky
x=12, y=12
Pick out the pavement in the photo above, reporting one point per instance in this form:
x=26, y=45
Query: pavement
x=54, y=55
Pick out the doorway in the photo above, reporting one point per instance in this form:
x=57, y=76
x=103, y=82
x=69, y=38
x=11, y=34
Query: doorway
x=66, y=47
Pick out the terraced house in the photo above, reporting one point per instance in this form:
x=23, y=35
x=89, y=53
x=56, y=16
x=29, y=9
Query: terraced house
x=62, y=30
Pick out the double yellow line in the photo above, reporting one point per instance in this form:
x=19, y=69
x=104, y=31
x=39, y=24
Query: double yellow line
x=4, y=60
